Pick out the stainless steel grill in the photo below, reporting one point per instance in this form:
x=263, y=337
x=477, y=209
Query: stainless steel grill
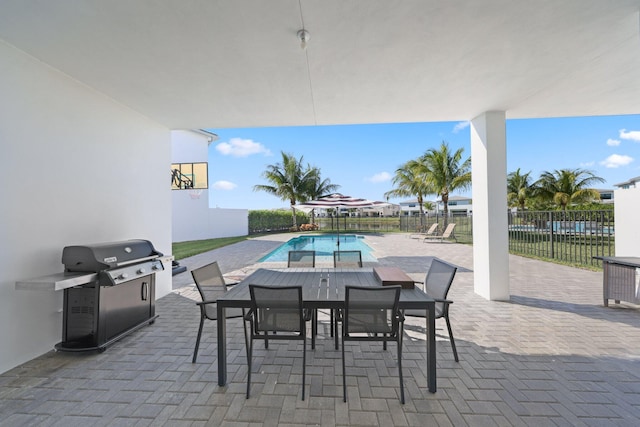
x=118, y=298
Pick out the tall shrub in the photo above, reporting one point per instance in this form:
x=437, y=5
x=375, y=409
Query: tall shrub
x=264, y=221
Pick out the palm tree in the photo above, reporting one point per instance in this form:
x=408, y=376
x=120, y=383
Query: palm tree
x=409, y=180
x=567, y=186
x=429, y=206
x=319, y=187
x=518, y=189
x=445, y=172
x=290, y=181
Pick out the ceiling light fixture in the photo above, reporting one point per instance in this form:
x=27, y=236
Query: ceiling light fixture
x=304, y=37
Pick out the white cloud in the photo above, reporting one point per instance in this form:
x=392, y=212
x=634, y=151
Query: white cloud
x=616, y=160
x=380, y=177
x=238, y=147
x=224, y=185
x=633, y=135
x=460, y=126
x=587, y=164
x=613, y=142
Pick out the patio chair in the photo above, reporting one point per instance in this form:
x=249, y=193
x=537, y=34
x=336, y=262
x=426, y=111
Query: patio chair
x=343, y=259
x=347, y=259
x=448, y=232
x=305, y=259
x=437, y=284
x=301, y=259
x=210, y=284
x=277, y=310
x=371, y=314
x=430, y=232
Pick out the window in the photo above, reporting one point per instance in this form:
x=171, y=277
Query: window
x=187, y=176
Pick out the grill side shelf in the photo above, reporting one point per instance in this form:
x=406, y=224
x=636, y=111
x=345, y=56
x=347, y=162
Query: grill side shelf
x=56, y=282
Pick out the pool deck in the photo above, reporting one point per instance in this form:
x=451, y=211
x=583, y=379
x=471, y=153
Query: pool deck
x=552, y=355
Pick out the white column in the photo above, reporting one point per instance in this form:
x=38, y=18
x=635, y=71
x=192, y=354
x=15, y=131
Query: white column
x=626, y=207
x=490, y=228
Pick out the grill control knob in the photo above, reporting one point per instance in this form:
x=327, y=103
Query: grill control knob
x=141, y=271
x=155, y=267
x=123, y=276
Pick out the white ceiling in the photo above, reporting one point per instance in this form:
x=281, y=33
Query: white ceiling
x=238, y=63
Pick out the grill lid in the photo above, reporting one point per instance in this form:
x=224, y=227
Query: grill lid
x=102, y=256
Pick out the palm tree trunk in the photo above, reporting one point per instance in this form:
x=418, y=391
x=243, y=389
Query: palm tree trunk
x=445, y=210
x=293, y=211
x=420, y=202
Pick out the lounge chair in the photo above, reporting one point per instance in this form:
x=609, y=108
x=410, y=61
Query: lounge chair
x=448, y=232
x=430, y=232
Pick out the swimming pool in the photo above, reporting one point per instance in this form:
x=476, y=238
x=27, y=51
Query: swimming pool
x=324, y=245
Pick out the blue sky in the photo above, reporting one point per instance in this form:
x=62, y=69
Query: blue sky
x=363, y=158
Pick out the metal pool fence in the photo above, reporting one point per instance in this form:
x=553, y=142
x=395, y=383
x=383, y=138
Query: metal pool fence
x=573, y=237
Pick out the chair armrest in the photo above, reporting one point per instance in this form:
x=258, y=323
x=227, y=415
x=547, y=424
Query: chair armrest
x=230, y=285
x=446, y=301
x=206, y=302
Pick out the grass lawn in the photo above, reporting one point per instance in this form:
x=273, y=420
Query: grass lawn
x=186, y=249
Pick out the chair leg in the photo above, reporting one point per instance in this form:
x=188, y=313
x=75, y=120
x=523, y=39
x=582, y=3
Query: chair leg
x=250, y=356
x=195, y=351
x=331, y=317
x=453, y=343
x=314, y=328
x=399, y=342
x=334, y=328
x=304, y=364
x=246, y=335
x=344, y=373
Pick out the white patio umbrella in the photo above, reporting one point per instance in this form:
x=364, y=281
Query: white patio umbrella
x=338, y=201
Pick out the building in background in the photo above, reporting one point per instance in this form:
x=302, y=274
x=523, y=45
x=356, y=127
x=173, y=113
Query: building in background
x=628, y=184
x=192, y=218
x=458, y=206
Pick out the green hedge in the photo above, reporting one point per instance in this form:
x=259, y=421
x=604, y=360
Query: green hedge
x=265, y=221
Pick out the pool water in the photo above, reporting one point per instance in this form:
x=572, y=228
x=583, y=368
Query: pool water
x=324, y=245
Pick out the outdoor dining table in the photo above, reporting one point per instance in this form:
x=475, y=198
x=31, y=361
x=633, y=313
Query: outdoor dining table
x=318, y=292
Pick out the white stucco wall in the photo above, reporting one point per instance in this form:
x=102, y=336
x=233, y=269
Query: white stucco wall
x=192, y=217
x=627, y=209
x=78, y=168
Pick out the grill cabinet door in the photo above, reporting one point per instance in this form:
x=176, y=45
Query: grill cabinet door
x=126, y=305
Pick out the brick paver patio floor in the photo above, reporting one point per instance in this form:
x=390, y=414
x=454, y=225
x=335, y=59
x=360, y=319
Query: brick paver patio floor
x=551, y=356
